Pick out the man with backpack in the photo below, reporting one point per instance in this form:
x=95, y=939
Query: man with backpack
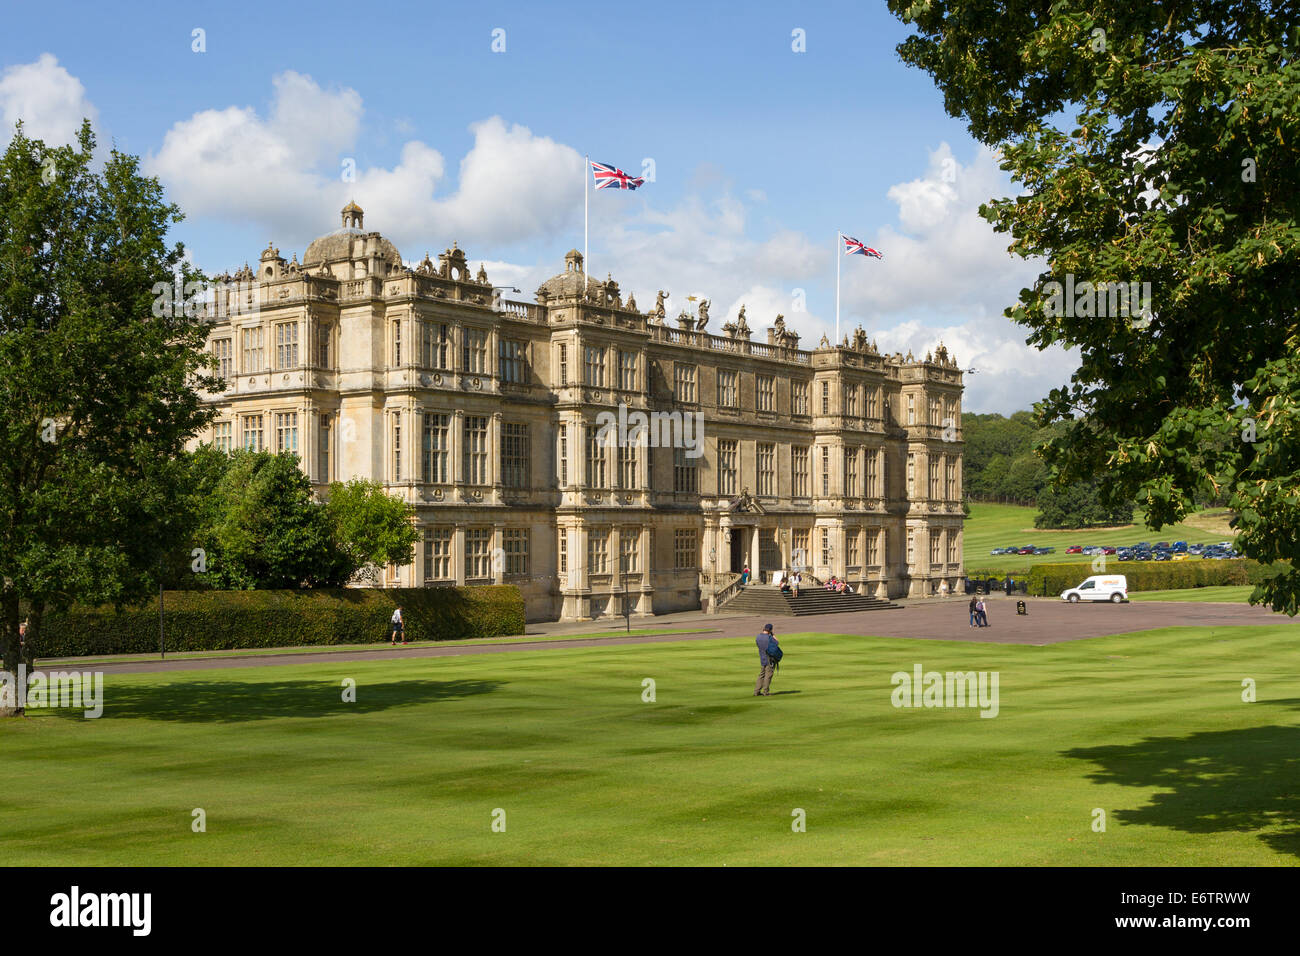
x=769, y=655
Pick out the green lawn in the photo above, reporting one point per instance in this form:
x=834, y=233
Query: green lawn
x=1149, y=727
x=1230, y=593
x=1001, y=526
x=378, y=646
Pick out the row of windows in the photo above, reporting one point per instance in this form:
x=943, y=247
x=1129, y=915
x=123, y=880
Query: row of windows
x=434, y=350
x=605, y=545
x=251, y=433
x=480, y=564
x=434, y=464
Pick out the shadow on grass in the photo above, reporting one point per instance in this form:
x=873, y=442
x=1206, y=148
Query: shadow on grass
x=231, y=701
x=1232, y=781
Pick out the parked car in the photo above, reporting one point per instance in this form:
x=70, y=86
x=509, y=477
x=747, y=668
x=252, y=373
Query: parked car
x=1180, y=545
x=1162, y=556
x=1044, y=551
x=1125, y=555
x=1107, y=550
x=1179, y=555
x=1161, y=546
x=1074, y=549
x=1099, y=587
x=1025, y=551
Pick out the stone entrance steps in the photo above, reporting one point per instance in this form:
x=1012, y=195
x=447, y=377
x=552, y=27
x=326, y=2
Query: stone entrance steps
x=765, y=599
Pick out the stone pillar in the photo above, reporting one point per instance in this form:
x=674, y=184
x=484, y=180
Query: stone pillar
x=498, y=554
x=458, y=555
x=456, y=446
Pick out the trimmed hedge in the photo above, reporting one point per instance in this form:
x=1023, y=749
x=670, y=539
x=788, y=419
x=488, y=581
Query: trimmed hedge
x=1051, y=579
x=224, y=620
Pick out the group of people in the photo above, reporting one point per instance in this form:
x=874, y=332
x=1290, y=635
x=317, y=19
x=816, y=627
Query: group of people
x=790, y=582
x=979, y=613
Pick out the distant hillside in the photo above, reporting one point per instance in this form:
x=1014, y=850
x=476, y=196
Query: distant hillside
x=1000, y=466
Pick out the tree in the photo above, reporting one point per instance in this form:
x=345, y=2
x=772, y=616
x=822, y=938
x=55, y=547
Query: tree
x=1179, y=173
x=373, y=528
x=97, y=395
x=259, y=526
x=265, y=528
x=1078, y=506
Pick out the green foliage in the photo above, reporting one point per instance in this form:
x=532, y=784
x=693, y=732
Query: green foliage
x=1180, y=169
x=1052, y=579
x=1001, y=462
x=224, y=620
x=260, y=526
x=372, y=527
x=269, y=531
x=1079, y=506
x=98, y=395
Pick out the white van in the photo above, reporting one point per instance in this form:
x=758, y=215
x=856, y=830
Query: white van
x=1099, y=587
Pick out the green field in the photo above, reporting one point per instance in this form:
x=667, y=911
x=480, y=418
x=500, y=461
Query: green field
x=379, y=647
x=1001, y=526
x=1227, y=593
x=1148, y=727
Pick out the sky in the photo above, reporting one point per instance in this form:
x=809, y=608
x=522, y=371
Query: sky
x=763, y=130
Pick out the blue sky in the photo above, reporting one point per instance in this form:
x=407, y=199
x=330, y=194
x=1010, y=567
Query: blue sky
x=760, y=153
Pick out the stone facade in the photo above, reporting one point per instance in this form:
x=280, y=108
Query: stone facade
x=486, y=415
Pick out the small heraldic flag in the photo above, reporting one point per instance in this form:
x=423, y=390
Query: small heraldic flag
x=609, y=177
x=854, y=248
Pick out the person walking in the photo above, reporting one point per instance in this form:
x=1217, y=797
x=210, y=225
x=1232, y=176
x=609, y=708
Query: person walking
x=395, y=627
x=798, y=579
x=974, y=610
x=981, y=614
x=766, y=662
x=744, y=576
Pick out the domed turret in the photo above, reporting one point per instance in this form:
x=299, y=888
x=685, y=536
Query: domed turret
x=351, y=243
x=569, y=284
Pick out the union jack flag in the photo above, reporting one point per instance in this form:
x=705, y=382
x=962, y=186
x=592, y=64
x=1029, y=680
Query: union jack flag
x=610, y=177
x=854, y=248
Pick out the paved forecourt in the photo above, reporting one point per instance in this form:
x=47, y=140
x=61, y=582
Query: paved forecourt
x=1048, y=621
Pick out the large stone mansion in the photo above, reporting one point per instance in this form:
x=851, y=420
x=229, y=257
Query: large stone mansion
x=486, y=416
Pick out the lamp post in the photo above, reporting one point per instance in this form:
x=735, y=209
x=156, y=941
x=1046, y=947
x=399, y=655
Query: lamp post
x=496, y=294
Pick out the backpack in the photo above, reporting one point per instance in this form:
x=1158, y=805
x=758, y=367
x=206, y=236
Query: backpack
x=773, y=651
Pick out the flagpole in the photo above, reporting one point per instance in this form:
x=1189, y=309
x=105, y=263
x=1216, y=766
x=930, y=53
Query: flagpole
x=838, y=240
x=586, y=166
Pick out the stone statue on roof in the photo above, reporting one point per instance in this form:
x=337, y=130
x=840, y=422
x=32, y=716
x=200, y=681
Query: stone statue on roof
x=661, y=310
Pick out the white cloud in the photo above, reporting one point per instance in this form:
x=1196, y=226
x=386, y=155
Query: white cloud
x=235, y=165
x=947, y=276
x=49, y=100
x=301, y=109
